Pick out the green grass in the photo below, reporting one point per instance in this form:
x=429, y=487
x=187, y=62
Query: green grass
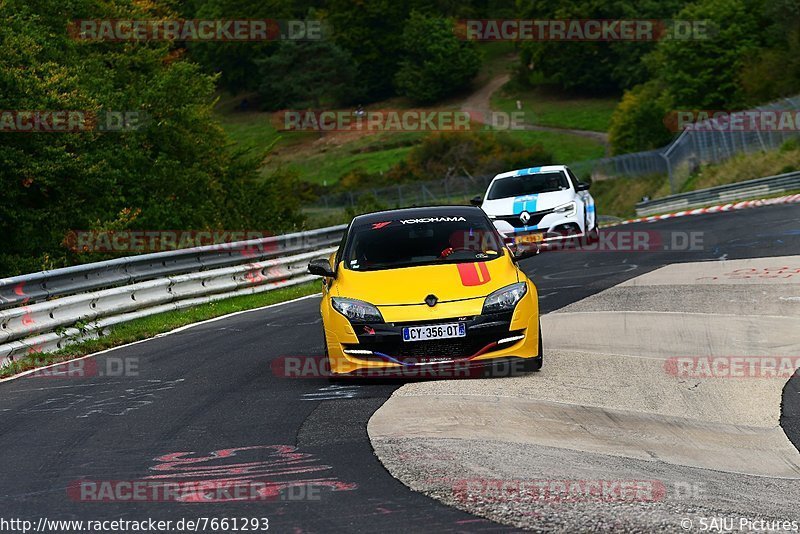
x=746, y=167
x=250, y=130
x=545, y=106
x=147, y=327
x=254, y=129
x=565, y=148
x=328, y=168
x=318, y=159
x=618, y=197
x=329, y=160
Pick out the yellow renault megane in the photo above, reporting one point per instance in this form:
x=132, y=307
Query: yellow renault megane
x=426, y=287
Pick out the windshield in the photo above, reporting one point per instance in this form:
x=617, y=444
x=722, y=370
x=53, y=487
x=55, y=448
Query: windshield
x=424, y=241
x=530, y=184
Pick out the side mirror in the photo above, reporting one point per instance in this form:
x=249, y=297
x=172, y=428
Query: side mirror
x=514, y=249
x=321, y=267
x=583, y=186
x=520, y=250
x=476, y=201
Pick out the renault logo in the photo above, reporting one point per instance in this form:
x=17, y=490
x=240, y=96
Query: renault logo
x=524, y=217
x=431, y=300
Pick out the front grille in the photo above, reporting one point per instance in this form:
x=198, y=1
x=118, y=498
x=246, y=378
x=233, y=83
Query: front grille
x=431, y=350
x=514, y=221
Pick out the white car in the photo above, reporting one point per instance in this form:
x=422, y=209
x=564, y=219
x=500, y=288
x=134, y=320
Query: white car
x=540, y=205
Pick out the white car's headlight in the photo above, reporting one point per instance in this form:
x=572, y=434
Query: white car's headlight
x=566, y=209
x=505, y=298
x=357, y=310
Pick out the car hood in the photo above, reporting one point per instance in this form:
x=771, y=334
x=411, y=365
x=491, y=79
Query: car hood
x=529, y=203
x=410, y=285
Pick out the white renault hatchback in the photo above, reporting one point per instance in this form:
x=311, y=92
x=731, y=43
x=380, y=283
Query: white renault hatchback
x=540, y=205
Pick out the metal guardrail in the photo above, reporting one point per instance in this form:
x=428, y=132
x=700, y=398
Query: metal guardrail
x=29, y=288
x=722, y=194
x=45, y=311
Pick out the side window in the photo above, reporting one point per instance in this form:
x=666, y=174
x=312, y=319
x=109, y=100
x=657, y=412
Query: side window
x=572, y=179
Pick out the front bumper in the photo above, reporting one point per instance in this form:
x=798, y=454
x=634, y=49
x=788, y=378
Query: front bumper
x=550, y=228
x=379, y=349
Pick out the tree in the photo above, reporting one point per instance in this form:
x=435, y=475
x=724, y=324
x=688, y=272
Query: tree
x=305, y=74
x=370, y=31
x=590, y=66
x=435, y=63
x=176, y=171
x=774, y=71
x=235, y=62
x=705, y=72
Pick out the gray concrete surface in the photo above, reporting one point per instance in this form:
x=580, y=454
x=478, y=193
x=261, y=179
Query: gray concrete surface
x=612, y=405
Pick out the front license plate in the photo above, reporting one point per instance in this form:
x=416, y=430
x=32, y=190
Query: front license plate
x=529, y=238
x=434, y=331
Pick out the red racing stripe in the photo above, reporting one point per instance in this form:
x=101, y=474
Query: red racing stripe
x=473, y=274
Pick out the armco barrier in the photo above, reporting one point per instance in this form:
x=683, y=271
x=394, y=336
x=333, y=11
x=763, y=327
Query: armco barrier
x=44, y=311
x=35, y=287
x=721, y=194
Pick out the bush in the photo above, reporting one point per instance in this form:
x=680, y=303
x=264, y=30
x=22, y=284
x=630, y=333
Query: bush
x=638, y=122
x=366, y=203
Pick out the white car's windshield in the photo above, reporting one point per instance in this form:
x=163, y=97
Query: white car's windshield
x=530, y=184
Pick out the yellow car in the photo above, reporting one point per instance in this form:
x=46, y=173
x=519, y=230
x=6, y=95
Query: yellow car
x=414, y=290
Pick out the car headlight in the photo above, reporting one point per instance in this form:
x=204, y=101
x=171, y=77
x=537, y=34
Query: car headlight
x=505, y=298
x=357, y=310
x=566, y=209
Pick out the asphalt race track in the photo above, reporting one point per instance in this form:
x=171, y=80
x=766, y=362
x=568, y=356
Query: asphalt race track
x=206, y=403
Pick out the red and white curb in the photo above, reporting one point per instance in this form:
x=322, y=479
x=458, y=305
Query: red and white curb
x=790, y=199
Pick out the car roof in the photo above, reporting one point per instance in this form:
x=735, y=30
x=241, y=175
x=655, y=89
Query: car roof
x=532, y=170
x=418, y=213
